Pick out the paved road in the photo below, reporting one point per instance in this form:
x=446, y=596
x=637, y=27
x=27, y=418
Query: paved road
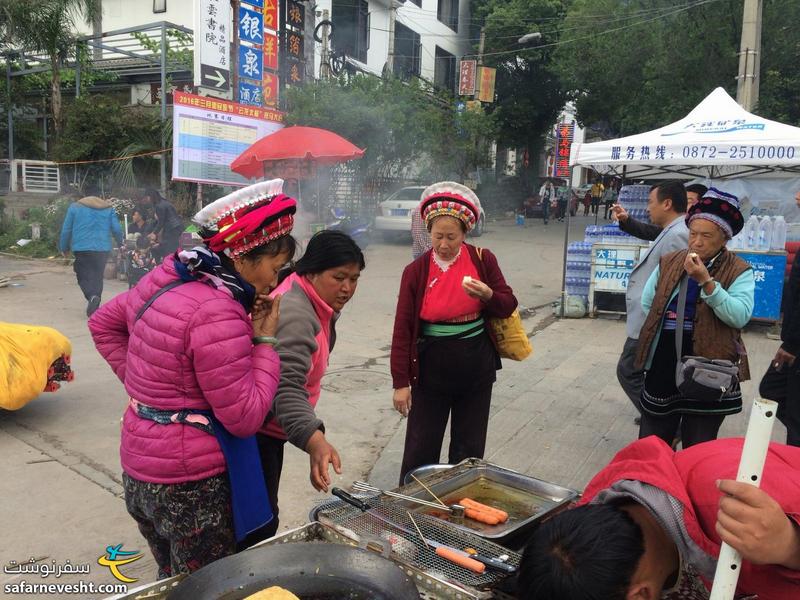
x=559, y=416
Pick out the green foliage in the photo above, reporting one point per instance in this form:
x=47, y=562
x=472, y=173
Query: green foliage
x=180, y=55
x=635, y=65
x=49, y=218
x=529, y=92
x=98, y=127
x=402, y=125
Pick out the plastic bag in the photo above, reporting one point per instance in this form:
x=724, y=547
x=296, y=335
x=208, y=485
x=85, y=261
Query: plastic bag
x=32, y=360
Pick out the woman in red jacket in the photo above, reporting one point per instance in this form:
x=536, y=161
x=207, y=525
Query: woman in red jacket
x=444, y=355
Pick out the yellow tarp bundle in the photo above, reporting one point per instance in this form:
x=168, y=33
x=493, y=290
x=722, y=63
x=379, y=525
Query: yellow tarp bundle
x=26, y=354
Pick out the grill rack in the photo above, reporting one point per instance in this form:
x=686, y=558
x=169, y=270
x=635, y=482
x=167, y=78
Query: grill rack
x=394, y=525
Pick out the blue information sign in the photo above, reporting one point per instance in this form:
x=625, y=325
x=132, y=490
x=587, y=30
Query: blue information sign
x=250, y=94
x=768, y=271
x=251, y=62
x=251, y=26
x=256, y=3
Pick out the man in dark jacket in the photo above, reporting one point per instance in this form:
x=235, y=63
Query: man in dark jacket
x=168, y=227
x=782, y=380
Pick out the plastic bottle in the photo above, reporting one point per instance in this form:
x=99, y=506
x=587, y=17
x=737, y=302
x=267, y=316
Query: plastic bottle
x=751, y=233
x=779, y=229
x=765, y=234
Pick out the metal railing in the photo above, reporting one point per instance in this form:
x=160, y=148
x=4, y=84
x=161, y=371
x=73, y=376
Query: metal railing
x=35, y=176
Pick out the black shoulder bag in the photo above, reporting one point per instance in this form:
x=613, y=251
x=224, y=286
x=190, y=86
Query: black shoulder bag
x=697, y=377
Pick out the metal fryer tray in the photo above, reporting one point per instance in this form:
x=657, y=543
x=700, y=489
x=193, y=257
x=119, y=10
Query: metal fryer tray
x=389, y=522
x=526, y=499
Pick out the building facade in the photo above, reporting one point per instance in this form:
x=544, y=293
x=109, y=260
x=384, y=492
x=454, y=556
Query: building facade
x=429, y=36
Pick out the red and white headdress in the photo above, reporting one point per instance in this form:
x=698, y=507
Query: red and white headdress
x=247, y=218
x=451, y=199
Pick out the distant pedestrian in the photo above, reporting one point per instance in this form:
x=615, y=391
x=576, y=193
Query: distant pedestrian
x=87, y=231
x=609, y=198
x=420, y=237
x=587, y=202
x=597, y=190
x=140, y=223
x=562, y=198
x=168, y=226
x=546, y=197
x=782, y=380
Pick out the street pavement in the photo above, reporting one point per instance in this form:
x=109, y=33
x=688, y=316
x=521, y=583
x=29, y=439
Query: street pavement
x=559, y=416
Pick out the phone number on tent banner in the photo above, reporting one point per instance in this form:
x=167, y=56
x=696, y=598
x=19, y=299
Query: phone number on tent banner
x=740, y=152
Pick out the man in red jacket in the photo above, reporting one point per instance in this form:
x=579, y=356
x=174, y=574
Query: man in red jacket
x=651, y=523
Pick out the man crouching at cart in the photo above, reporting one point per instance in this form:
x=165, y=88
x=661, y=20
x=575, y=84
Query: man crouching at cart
x=650, y=525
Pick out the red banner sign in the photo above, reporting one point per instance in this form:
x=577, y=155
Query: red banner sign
x=564, y=135
x=466, y=80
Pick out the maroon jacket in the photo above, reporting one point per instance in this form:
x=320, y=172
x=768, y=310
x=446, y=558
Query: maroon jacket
x=404, y=365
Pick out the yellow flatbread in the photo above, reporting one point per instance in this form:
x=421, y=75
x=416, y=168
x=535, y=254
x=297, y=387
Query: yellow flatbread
x=273, y=593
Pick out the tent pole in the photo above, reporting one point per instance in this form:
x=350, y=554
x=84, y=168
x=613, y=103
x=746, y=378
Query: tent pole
x=624, y=171
x=566, y=243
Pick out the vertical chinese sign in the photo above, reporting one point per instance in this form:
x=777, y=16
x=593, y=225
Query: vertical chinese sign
x=293, y=55
x=257, y=52
x=466, y=79
x=212, y=46
x=486, y=76
x=564, y=136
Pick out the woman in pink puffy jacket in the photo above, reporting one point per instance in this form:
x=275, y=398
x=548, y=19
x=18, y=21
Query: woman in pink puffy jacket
x=193, y=343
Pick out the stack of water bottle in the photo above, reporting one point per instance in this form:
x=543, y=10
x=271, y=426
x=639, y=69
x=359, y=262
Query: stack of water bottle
x=761, y=235
x=579, y=268
x=634, y=199
x=609, y=234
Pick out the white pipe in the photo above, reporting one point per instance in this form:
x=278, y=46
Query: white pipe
x=126, y=225
x=751, y=466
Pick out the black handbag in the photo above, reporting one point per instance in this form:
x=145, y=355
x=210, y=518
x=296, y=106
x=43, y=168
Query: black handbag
x=697, y=377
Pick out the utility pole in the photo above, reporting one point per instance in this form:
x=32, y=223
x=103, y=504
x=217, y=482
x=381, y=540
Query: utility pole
x=325, y=55
x=390, y=52
x=481, y=43
x=10, y=111
x=749, y=55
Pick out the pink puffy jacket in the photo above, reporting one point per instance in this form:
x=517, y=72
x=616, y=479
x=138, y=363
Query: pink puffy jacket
x=191, y=349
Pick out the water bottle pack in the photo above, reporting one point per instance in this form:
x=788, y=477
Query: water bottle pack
x=579, y=268
x=761, y=235
x=634, y=199
x=608, y=234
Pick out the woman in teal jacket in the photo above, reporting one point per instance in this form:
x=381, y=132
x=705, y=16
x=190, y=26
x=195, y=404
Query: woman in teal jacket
x=719, y=303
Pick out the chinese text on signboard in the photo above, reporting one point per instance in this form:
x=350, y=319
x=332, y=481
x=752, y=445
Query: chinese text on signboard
x=466, y=80
x=564, y=135
x=209, y=133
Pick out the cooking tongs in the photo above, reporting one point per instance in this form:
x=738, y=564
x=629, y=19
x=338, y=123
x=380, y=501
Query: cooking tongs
x=473, y=562
x=456, y=510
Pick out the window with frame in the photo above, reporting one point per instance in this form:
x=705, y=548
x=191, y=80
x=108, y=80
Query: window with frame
x=407, y=51
x=444, y=70
x=351, y=28
x=159, y=6
x=447, y=13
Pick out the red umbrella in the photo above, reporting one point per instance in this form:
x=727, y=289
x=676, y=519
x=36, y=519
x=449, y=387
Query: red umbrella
x=293, y=152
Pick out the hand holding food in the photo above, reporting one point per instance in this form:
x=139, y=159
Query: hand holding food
x=476, y=288
x=695, y=268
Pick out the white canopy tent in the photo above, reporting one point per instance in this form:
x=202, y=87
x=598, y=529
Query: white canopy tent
x=717, y=140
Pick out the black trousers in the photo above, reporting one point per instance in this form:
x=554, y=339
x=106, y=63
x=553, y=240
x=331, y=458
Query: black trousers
x=89, y=267
x=783, y=386
x=630, y=378
x=271, y=451
x=694, y=429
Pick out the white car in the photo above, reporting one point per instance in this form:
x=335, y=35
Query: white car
x=394, y=213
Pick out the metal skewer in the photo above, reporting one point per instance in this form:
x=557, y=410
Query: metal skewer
x=365, y=487
x=429, y=490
